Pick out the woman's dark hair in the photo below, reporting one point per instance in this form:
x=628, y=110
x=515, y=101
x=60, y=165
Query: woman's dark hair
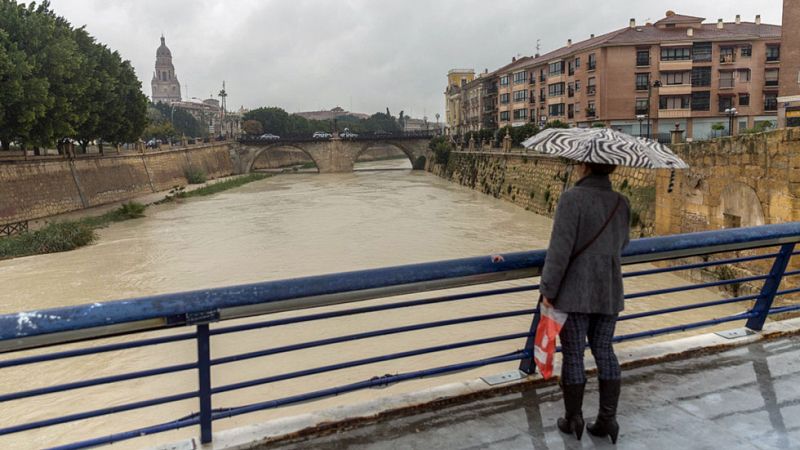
x=602, y=169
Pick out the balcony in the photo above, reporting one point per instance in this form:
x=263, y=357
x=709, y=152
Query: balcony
x=642, y=61
x=676, y=65
x=570, y=93
x=570, y=115
x=542, y=98
x=771, y=83
x=675, y=89
x=726, y=83
x=591, y=112
x=571, y=72
x=639, y=111
x=641, y=87
x=771, y=104
x=727, y=58
x=674, y=113
x=591, y=90
x=591, y=65
x=773, y=59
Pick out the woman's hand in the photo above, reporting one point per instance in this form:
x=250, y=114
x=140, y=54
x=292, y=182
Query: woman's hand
x=547, y=302
x=497, y=259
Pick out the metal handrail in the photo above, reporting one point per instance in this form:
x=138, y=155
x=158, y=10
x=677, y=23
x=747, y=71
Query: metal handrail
x=199, y=308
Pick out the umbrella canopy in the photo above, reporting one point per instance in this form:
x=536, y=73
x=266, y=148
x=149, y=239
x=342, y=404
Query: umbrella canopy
x=604, y=146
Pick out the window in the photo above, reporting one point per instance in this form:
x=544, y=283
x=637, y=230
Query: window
x=532, y=77
x=773, y=53
x=554, y=90
x=726, y=79
x=674, y=101
x=556, y=68
x=771, y=77
x=590, y=87
x=542, y=75
x=542, y=96
x=747, y=51
x=590, y=110
x=642, y=81
x=674, y=78
x=641, y=106
x=570, y=111
x=727, y=55
x=520, y=114
x=520, y=77
x=744, y=75
x=504, y=98
x=701, y=76
x=557, y=109
x=532, y=96
x=571, y=90
x=520, y=96
x=643, y=57
x=725, y=102
x=676, y=53
x=504, y=116
x=577, y=86
x=770, y=101
x=592, y=62
x=577, y=63
x=744, y=99
x=701, y=101
x=504, y=80
x=571, y=68
x=701, y=52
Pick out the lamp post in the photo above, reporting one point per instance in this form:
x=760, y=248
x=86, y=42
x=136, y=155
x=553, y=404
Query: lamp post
x=731, y=113
x=640, y=118
x=650, y=86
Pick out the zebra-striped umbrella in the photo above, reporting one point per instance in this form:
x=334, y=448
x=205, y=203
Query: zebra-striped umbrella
x=604, y=146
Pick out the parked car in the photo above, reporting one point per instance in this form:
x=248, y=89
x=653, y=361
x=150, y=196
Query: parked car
x=347, y=134
x=322, y=135
x=268, y=137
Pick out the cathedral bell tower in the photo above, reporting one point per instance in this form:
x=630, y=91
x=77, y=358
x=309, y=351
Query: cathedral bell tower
x=166, y=87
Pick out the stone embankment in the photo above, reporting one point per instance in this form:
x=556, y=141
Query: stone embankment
x=41, y=188
x=535, y=182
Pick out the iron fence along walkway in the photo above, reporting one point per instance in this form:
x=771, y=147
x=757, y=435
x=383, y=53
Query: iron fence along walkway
x=194, y=311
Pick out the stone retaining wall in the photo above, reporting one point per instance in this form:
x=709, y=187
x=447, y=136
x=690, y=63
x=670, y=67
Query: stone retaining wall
x=535, y=182
x=42, y=188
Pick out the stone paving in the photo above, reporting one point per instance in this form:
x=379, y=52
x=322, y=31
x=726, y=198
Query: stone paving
x=745, y=398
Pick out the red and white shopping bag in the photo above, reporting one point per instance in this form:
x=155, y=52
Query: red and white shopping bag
x=544, y=346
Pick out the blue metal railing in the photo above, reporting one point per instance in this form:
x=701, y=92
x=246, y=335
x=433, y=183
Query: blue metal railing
x=41, y=329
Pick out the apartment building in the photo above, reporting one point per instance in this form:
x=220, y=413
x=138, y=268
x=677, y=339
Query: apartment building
x=646, y=79
x=789, y=99
x=457, y=80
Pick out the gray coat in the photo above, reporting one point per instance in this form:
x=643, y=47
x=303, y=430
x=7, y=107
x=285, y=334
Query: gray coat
x=593, y=283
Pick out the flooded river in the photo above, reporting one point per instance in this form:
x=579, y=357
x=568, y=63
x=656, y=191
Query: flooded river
x=281, y=227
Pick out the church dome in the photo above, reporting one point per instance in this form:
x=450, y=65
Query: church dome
x=163, y=50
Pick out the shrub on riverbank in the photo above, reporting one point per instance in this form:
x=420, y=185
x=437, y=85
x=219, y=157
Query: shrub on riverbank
x=55, y=237
x=195, y=176
x=68, y=235
x=178, y=192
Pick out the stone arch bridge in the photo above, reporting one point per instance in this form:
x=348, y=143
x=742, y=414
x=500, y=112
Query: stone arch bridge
x=333, y=155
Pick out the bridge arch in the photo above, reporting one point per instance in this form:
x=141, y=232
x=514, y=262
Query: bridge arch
x=267, y=148
x=412, y=157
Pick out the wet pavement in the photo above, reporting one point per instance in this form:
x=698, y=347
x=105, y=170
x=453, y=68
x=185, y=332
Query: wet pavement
x=748, y=397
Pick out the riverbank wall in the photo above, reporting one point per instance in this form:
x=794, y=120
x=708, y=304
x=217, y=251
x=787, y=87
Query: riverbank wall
x=41, y=188
x=535, y=182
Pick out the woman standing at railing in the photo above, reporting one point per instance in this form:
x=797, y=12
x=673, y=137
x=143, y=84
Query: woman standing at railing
x=582, y=276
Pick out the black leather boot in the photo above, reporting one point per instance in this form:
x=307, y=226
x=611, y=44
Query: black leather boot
x=606, y=423
x=572, y=422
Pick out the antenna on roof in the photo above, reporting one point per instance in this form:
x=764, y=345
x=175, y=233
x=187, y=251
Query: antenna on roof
x=538, y=46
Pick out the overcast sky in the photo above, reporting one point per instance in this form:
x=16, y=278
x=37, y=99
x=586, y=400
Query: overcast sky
x=363, y=55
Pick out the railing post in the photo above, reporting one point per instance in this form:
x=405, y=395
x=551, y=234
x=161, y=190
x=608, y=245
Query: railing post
x=526, y=364
x=204, y=371
x=771, y=285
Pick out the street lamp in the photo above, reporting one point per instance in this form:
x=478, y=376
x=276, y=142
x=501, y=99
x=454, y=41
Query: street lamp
x=731, y=113
x=650, y=86
x=640, y=118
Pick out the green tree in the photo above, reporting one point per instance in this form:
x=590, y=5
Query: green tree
x=252, y=127
x=183, y=121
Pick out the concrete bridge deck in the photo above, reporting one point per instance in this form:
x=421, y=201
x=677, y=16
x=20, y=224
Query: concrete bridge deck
x=748, y=398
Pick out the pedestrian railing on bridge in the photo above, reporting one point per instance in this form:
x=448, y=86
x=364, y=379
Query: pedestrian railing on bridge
x=367, y=136
x=197, y=311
